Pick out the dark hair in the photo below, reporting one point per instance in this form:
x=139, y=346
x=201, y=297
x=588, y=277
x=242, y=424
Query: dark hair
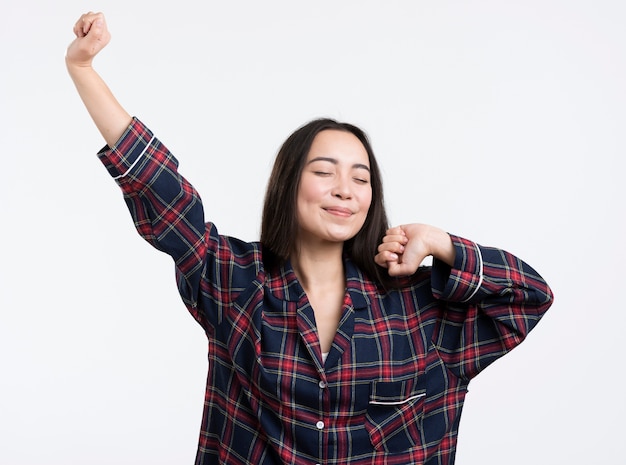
x=279, y=225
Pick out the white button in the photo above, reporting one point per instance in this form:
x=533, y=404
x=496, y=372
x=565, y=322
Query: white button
x=320, y=425
x=323, y=384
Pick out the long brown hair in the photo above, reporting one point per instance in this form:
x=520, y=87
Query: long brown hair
x=279, y=224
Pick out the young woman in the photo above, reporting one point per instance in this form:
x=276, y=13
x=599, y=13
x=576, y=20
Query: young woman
x=328, y=343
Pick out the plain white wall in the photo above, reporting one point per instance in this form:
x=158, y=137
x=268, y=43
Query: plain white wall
x=498, y=121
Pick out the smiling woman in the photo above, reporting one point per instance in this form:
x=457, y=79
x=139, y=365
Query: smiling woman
x=334, y=195
x=328, y=343
x=280, y=226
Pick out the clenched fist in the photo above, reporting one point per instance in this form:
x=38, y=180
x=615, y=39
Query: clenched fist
x=92, y=36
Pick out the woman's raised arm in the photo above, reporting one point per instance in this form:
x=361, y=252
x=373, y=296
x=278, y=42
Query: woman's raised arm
x=92, y=36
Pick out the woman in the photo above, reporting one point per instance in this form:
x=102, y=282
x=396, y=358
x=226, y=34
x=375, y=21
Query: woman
x=327, y=342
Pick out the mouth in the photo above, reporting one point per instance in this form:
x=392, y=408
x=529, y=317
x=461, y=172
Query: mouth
x=339, y=211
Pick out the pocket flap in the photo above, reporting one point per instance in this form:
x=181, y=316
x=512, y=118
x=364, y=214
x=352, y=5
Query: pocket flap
x=395, y=392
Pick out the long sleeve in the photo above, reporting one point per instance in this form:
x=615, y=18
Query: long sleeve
x=168, y=213
x=491, y=300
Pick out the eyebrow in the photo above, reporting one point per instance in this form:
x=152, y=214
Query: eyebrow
x=334, y=161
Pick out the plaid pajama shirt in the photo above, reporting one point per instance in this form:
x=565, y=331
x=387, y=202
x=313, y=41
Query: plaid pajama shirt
x=393, y=385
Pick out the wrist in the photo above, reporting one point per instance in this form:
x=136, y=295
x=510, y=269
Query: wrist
x=436, y=241
x=76, y=66
x=442, y=247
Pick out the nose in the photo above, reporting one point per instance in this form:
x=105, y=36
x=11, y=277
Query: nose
x=342, y=188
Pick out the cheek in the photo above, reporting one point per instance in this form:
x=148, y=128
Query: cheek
x=310, y=192
x=305, y=202
x=366, y=201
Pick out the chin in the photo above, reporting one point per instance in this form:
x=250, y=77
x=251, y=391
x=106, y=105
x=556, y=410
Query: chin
x=342, y=237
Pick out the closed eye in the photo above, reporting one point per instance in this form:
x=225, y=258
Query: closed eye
x=361, y=180
x=322, y=173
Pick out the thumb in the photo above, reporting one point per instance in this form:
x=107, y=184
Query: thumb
x=407, y=265
x=400, y=269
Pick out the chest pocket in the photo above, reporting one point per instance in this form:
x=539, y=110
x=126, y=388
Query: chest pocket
x=394, y=415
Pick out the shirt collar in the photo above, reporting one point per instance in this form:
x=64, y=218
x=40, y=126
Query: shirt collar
x=284, y=285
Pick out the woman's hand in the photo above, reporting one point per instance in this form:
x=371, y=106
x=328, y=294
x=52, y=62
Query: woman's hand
x=405, y=247
x=92, y=36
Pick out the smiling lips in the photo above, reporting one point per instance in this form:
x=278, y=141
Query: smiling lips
x=339, y=211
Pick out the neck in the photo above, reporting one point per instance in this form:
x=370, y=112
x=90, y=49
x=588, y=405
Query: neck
x=319, y=266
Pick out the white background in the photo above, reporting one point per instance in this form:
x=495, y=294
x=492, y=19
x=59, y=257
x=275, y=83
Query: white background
x=499, y=121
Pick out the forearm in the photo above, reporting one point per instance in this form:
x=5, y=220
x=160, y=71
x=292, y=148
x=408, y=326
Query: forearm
x=92, y=36
x=108, y=115
x=488, y=277
x=492, y=301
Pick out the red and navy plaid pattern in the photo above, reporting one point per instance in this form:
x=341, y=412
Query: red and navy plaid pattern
x=392, y=387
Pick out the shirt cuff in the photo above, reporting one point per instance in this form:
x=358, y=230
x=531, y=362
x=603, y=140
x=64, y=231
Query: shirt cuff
x=127, y=151
x=461, y=282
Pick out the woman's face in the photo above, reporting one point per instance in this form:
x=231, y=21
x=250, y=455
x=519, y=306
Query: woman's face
x=335, y=192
